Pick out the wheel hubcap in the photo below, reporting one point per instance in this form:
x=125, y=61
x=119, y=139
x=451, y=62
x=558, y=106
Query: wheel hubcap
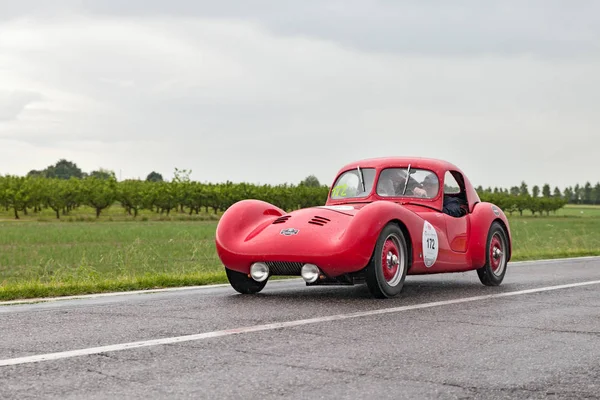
x=497, y=256
x=497, y=253
x=392, y=260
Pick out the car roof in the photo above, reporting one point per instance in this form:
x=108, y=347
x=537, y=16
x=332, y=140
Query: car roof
x=416, y=162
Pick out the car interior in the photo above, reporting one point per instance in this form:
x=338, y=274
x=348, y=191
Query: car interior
x=454, y=186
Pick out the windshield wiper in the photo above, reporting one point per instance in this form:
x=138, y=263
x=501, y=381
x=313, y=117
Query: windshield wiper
x=406, y=183
x=362, y=178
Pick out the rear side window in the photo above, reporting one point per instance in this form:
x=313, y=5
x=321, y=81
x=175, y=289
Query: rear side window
x=450, y=184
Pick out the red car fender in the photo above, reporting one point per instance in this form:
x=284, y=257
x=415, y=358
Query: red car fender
x=242, y=220
x=484, y=214
x=367, y=224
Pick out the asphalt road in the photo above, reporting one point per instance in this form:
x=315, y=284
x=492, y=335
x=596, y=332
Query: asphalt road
x=443, y=338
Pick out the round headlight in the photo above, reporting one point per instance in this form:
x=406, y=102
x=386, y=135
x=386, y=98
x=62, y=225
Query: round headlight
x=310, y=272
x=259, y=271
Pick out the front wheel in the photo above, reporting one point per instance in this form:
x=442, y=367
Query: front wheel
x=386, y=271
x=243, y=283
x=492, y=273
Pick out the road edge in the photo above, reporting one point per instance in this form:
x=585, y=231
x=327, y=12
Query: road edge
x=212, y=286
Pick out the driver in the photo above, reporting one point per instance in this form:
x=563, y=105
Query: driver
x=392, y=182
x=429, y=187
x=451, y=204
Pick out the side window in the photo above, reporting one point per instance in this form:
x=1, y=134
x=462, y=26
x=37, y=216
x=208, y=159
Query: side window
x=450, y=184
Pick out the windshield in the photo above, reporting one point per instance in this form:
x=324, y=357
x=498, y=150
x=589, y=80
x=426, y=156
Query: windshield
x=349, y=185
x=422, y=183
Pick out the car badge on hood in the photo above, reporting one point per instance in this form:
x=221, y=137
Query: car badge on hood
x=289, y=231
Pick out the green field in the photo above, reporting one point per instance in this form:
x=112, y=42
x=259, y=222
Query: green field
x=40, y=256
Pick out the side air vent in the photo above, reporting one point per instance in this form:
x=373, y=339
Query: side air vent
x=282, y=219
x=319, y=220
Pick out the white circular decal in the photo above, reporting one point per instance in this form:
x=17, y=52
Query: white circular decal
x=430, y=244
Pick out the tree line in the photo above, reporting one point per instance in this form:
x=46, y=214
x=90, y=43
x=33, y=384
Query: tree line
x=520, y=199
x=578, y=194
x=64, y=187
x=32, y=194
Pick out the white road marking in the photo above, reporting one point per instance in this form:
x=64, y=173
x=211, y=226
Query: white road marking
x=276, y=325
x=181, y=288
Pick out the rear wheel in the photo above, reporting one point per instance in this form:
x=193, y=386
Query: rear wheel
x=492, y=273
x=243, y=283
x=386, y=271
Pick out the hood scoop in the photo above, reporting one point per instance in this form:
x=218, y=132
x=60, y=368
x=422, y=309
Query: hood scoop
x=319, y=220
x=282, y=219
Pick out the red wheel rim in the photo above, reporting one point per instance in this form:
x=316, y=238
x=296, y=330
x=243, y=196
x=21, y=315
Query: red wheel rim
x=390, y=261
x=497, y=254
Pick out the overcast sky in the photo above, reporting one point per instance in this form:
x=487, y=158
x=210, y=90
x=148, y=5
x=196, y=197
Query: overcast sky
x=272, y=91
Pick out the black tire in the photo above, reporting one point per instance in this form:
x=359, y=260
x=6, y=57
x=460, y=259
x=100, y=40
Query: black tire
x=496, y=257
x=243, y=283
x=385, y=279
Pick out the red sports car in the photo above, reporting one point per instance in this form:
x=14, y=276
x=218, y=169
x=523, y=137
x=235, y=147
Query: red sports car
x=384, y=218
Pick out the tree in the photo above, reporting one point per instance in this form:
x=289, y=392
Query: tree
x=568, y=194
x=15, y=193
x=310, y=181
x=196, y=196
x=64, y=169
x=166, y=196
x=154, y=177
x=72, y=194
x=35, y=173
x=523, y=190
x=546, y=190
x=521, y=203
x=55, y=195
x=535, y=191
x=534, y=205
x=99, y=193
x=514, y=191
x=181, y=186
x=132, y=194
x=103, y=174
x=587, y=193
x=557, y=192
x=34, y=188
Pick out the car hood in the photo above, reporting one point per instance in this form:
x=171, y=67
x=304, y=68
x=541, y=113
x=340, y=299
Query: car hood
x=321, y=224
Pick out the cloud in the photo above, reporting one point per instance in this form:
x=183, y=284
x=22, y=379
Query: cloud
x=544, y=28
x=237, y=99
x=13, y=103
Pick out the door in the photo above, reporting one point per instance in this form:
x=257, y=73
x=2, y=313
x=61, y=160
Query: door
x=458, y=232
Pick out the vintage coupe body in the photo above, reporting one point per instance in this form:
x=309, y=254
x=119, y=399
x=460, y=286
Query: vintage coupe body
x=384, y=218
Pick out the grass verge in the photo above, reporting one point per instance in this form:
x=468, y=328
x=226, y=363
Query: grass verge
x=59, y=258
x=36, y=289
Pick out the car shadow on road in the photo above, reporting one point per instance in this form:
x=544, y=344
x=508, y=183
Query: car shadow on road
x=419, y=289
